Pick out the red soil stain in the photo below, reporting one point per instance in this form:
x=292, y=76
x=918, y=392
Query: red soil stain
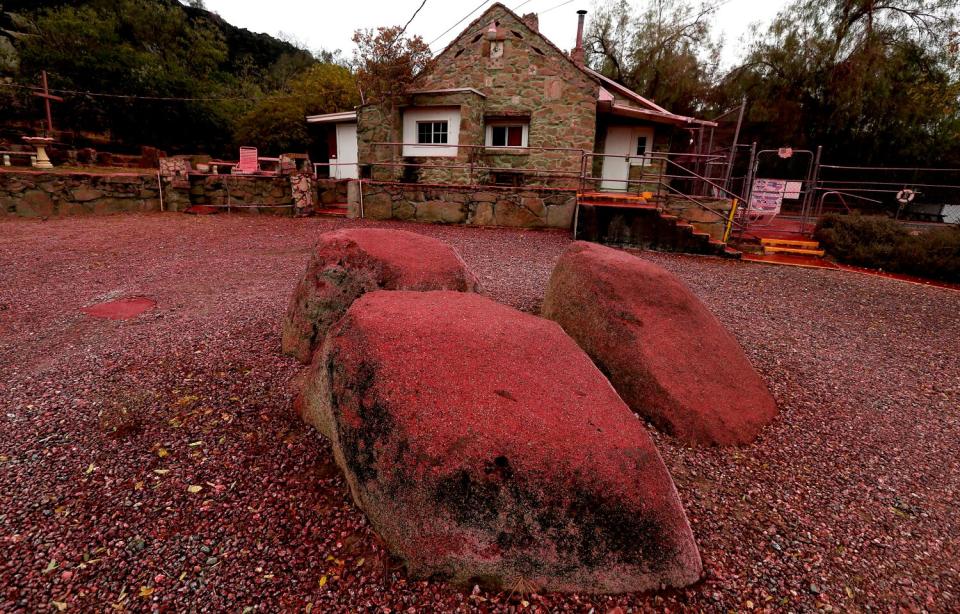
x=121, y=309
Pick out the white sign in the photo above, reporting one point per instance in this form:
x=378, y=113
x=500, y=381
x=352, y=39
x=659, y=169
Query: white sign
x=767, y=196
x=792, y=191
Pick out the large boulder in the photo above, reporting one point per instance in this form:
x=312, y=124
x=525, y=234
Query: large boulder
x=669, y=358
x=485, y=447
x=349, y=263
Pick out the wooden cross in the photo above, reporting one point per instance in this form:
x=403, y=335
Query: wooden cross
x=47, y=97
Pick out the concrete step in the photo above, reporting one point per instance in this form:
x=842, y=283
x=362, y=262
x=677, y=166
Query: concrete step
x=774, y=242
x=331, y=212
x=611, y=196
x=201, y=210
x=772, y=249
x=619, y=204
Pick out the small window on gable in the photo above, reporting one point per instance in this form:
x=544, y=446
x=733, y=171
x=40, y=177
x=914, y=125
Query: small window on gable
x=507, y=134
x=432, y=133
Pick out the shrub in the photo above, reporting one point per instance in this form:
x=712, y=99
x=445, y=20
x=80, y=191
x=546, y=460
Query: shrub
x=882, y=243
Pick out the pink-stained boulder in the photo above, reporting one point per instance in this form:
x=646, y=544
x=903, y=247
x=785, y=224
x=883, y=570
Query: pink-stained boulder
x=485, y=447
x=669, y=358
x=348, y=263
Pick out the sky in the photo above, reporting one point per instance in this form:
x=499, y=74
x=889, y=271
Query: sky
x=324, y=24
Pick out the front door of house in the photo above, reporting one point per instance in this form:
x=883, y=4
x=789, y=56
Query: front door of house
x=616, y=159
x=625, y=146
x=346, y=152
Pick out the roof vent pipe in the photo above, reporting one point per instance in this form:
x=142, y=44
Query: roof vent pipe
x=578, y=55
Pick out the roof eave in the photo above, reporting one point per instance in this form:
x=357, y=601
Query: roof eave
x=651, y=115
x=333, y=118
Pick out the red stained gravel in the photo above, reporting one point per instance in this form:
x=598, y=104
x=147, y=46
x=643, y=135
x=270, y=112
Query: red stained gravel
x=155, y=463
x=120, y=309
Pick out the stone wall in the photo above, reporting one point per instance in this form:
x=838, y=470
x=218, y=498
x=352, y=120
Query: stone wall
x=27, y=193
x=331, y=191
x=36, y=194
x=378, y=123
x=246, y=193
x=523, y=208
x=531, y=78
x=532, y=81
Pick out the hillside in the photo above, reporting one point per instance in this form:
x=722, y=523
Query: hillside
x=140, y=49
x=262, y=50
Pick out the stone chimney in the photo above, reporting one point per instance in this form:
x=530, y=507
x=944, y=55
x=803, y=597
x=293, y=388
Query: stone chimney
x=533, y=21
x=578, y=55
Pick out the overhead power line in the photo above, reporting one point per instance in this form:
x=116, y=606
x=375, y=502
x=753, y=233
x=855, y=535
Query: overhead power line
x=557, y=6
x=132, y=96
x=412, y=17
x=464, y=18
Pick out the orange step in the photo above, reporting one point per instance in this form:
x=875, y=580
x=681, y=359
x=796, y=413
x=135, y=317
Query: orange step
x=333, y=210
x=771, y=249
x=774, y=242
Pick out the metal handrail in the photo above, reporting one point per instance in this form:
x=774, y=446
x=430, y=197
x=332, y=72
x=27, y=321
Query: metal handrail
x=512, y=169
x=823, y=197
x=506, y=150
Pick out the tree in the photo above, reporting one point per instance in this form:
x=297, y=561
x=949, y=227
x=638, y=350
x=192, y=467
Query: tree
x=386, y=63
x=664, y=50
x=277, y=124
x=148, y=72
x=131, y=48
x=873, y=82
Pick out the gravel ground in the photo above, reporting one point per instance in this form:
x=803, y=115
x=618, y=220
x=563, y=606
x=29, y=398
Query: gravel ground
x=153, y=463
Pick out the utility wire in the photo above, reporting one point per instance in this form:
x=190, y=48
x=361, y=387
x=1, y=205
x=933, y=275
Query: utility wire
x=557, y=6
x=404, y=29
x=521, y=5
x=479, y=6
x=128, y=96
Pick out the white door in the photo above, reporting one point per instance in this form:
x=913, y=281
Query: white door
x=346, y=152
x=616, y=161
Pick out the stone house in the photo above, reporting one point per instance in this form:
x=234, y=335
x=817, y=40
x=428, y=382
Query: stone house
x=500, y=107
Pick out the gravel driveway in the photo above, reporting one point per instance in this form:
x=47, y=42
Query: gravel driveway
x=153, y=462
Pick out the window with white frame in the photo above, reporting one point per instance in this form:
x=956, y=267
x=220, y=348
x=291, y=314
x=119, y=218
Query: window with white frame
x=507, y=134
x=643, y=147
x=433, y=133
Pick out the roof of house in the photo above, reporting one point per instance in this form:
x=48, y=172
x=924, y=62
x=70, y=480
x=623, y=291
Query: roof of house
x=649, y=110
x=333, y=118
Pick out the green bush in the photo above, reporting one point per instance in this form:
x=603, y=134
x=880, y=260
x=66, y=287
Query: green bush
x=882, y=243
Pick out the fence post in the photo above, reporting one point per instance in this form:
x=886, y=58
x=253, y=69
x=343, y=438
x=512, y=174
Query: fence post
x=810, y=195
x=733, y=148
x=748, y=186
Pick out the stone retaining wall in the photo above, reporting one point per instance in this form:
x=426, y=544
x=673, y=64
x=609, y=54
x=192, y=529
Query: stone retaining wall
x=34, y=194
x=251, y=194
x=331, y=191
x=481, y=206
